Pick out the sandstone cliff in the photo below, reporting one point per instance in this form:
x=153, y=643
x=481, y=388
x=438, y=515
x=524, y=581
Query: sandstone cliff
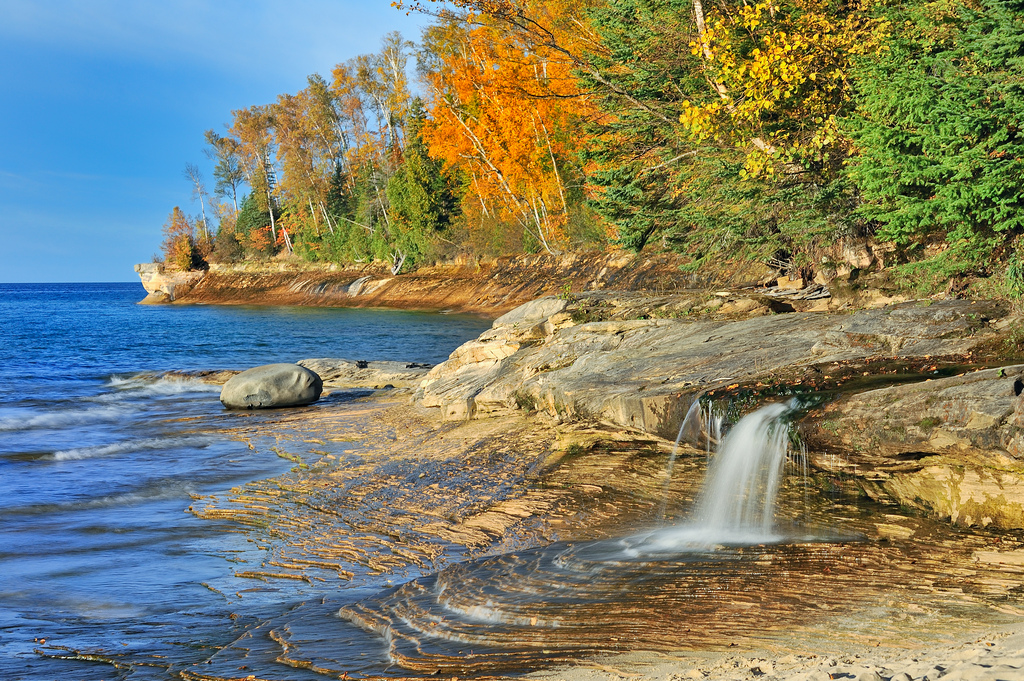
x=478, y=286
x=163, y=286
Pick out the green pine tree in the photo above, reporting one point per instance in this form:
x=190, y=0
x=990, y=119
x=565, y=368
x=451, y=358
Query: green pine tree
x=940, y=131
x=423, y=197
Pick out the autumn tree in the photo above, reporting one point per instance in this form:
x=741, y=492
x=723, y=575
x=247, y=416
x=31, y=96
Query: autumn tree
x=253, y=130
x=503, y=112
x=307, y=148
x=179, y=244
x=228, y=171
x=723, y=130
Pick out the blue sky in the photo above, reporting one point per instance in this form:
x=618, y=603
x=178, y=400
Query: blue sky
x=102, y=102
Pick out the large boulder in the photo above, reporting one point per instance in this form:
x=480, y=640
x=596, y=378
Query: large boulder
x=270, y=386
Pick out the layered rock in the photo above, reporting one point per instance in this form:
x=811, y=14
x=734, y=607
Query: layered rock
x=337, y=373
x=486, y=286
x=954, y=446
x=346, y=373
x=644, y=373
x=163, y=286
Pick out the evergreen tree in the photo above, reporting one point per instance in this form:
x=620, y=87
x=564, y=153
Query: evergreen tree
x=940, y=130
x=253, y=227
x=695, y=151
x=421, y=194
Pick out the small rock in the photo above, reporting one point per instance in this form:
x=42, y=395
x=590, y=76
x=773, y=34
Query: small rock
x=857, y=254
x=739, y=306
x=786, y=283
x=891, y=531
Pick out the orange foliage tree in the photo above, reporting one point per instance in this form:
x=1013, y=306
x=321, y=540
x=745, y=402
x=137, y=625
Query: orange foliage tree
x=505, y=111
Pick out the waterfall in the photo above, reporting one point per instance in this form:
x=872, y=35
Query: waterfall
x=701, y=422
x=743, y=480
x=737, y=502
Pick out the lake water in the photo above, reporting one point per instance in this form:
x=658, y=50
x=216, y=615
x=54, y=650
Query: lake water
x=100, y=457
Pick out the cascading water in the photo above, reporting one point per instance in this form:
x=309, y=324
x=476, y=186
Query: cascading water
x=737, y=502
x=743, y=480
x=702, y=422
x=706, y=577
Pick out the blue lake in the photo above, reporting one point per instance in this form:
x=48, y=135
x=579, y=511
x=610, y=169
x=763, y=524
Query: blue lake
x=100, y=456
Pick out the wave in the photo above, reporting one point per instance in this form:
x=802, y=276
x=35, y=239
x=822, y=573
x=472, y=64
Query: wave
x=156, y=491
x=31, y=420
x=79, y=453
x=160, y=384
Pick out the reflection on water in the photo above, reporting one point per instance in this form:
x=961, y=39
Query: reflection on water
x=565, y=602
x=101, y=455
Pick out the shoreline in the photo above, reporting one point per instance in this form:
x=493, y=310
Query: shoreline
x=487, y=287
x=875, y=614
x=921, y=596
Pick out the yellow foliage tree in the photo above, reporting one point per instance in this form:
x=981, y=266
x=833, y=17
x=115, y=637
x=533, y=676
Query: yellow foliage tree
x=779, y=76
x=179, y=245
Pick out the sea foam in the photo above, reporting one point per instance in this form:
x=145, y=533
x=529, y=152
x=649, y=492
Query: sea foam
x=79, y=453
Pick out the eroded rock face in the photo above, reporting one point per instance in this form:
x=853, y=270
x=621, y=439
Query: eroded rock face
x=644, y=373
x=165, y=287
x=954, y=446
x=271, y=386
x=487, y=286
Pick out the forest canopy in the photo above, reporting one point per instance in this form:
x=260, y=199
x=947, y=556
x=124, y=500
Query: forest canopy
x=761, y=130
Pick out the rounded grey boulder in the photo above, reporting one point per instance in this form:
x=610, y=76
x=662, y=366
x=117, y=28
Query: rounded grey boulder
x=270, y=386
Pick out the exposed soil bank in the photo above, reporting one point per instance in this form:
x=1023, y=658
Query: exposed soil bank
x=489, y=287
